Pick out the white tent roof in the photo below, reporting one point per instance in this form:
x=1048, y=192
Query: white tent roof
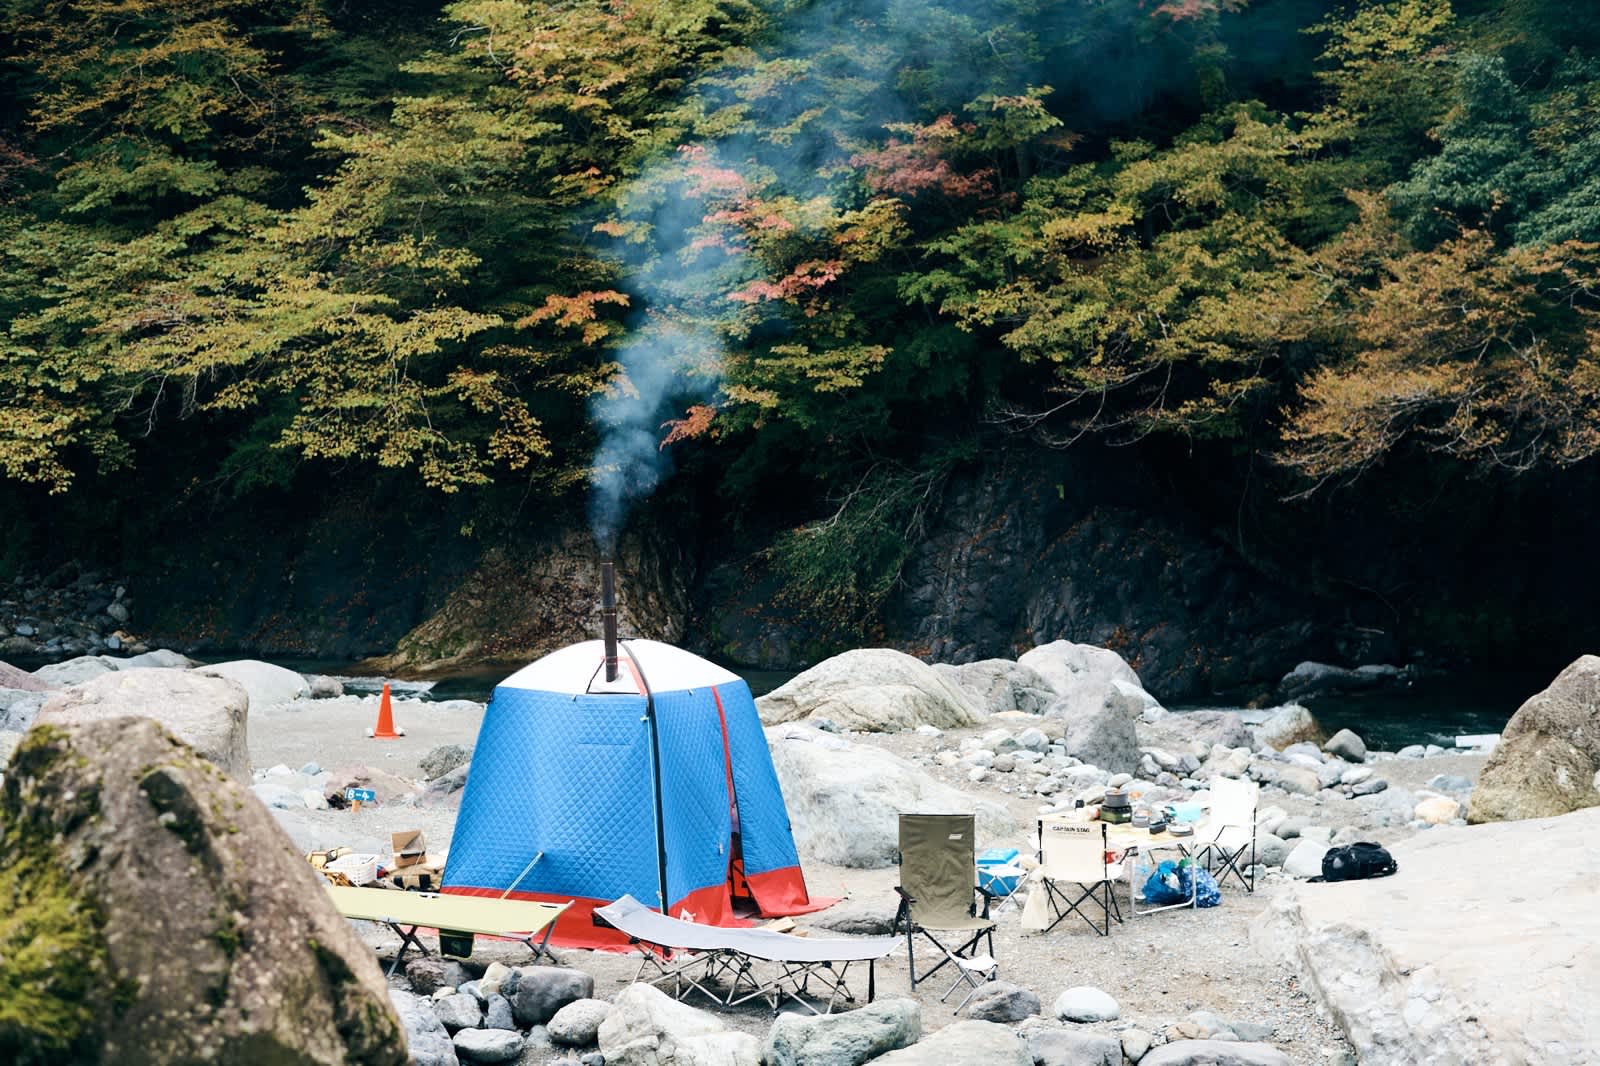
x=580, y=668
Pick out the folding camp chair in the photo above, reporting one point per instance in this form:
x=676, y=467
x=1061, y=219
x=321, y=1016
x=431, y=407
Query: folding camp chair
x=1074, y=871
x=1230, y=831
x=937, y=874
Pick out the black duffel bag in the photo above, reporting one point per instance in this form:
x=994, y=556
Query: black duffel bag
x=1356, y=862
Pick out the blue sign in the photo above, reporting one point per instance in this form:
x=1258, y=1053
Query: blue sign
x=360, y=795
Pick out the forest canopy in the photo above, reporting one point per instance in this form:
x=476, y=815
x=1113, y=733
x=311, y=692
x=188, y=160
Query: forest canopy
x=550, y=244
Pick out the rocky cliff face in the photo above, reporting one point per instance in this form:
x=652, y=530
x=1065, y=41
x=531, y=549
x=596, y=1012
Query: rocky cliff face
x=1022, y=553
x=521, y=603
x=1022, y=549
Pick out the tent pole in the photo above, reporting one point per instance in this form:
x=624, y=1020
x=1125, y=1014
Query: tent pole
x=655, y=774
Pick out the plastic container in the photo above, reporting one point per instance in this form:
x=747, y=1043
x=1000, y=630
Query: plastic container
x=360, y=869
x=996, y=874
x=997, y=856
x=1187, y=812
x=455, y=944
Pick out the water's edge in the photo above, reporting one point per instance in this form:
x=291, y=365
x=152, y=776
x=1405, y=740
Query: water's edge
x=1432, y=710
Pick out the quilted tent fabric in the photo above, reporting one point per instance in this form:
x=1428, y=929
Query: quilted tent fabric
x=696, y=807
x=570, y=775
x=542, y=765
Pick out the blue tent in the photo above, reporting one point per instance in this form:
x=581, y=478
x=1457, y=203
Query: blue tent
x=656, y=785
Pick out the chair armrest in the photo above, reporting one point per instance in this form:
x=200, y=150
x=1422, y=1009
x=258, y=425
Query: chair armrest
x=902, y=915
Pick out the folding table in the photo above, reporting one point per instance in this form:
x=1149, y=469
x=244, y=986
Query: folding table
x=1142, y=842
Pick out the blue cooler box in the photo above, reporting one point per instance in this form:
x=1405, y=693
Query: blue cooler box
x=989, y=882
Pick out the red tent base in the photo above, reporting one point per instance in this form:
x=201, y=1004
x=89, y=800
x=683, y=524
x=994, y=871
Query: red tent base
x=777, y=893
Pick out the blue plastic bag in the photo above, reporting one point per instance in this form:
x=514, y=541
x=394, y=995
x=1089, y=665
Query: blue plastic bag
x=1207, y=893
x=1174, y=882
x=1166, y=885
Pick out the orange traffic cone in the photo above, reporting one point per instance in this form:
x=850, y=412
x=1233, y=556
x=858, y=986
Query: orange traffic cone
x=386, y=729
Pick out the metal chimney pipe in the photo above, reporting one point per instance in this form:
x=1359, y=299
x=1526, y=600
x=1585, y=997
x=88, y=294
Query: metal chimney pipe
x=608, y=615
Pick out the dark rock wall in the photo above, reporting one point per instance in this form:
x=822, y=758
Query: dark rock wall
x=1191, y=562
x=1028, y=550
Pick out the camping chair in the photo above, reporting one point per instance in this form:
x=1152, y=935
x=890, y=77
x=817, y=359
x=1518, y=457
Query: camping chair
x=937, y=873
x=972, y=968
x=1073, y=854
x=1230, y=830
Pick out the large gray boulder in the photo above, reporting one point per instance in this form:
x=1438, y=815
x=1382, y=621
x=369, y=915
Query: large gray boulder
x=578, y=1023
x=458, y=1012
x=207, y=713
x=1311, y=678
x=154, y=913
x=265, y=683
x=446, y=791
x=1476, y=951
x=845, y=1039
x=1068, y=666
x=1289, y=724
x=488, y=1045
x=1001, y=1001
x=544, y=990
x=14, y=678
x=442, y=759
x=1085, y=1003
x=1548, y=758
x=1304, y=860
x=1347, y=745
x=75, y=671
x=1216, y=1053
x=1053, y=1046
x=998, y=685
x=163, y=658
x=429, y=1040
x=962, y=1042
x=19, y=708
x=876, y=690
x=647, y=1027
x=1210, y=728
x=845, y=799
x=1104, y=736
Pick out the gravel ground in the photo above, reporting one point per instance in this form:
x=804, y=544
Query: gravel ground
x=1159, y=967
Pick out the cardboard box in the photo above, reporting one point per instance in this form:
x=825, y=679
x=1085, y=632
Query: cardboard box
x=410, y=848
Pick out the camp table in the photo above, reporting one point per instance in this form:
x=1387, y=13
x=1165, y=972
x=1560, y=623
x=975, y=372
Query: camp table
x=406, y=912
x=1132, y=841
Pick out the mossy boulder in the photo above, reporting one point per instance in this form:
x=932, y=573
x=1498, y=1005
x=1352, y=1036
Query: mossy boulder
x=151, y=911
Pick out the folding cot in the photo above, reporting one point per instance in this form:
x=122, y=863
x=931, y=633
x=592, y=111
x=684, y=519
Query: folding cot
x=406, y=912
x=730, y=953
